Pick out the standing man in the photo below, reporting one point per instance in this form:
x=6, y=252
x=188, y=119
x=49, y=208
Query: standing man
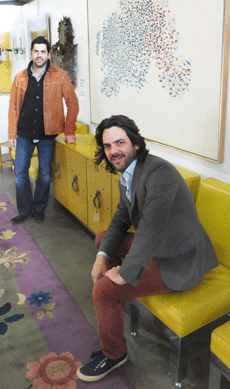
x=36, y=116
x=170, y=250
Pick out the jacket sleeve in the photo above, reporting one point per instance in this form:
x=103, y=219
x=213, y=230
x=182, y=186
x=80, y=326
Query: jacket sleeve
x=116, y=231
x=160, y=190
x=13, y=114
x=71, y=103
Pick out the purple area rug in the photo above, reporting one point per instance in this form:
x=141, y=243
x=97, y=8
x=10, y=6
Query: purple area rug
x=68, y=336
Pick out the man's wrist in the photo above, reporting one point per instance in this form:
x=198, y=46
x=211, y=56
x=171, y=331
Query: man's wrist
x=103, y=253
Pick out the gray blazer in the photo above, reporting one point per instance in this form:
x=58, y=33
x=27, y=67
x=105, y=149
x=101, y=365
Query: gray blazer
x=167, y=226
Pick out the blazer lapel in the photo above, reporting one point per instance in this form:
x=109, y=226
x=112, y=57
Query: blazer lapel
x=136, y=179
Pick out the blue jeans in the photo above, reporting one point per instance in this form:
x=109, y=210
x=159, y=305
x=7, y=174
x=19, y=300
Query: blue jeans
x=26, y=204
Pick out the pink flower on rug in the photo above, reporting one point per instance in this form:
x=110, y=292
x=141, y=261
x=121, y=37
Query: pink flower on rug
x=54, y=372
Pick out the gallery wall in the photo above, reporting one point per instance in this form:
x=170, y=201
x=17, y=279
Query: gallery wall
x=77, y=12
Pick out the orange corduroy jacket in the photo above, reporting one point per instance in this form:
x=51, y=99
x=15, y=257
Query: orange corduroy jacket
x=56, y=86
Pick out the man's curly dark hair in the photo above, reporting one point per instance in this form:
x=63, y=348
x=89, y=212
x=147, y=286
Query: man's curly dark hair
x=131, y=130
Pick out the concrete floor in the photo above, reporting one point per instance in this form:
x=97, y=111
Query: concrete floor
x=70, y=249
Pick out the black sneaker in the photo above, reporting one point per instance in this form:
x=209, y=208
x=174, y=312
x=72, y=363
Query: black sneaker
x=99, y=366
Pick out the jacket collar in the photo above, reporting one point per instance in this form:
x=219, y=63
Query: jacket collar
x=51, y=68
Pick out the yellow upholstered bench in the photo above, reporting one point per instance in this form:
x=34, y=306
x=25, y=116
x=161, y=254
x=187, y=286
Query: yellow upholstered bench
x=220, y=357
x=183, y=315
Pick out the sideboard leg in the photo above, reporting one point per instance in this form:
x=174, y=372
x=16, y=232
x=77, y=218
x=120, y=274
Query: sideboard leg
x=57, y=205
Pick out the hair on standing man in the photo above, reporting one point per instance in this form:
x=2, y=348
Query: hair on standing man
x=36, y=116
x=170, y=250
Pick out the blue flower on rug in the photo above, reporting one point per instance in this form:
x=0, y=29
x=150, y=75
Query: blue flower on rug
x=39, y=298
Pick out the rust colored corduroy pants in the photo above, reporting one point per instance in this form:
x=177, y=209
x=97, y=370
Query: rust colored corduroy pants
x=108, y=299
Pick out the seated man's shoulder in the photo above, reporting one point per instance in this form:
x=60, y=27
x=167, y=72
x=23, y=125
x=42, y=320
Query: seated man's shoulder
x=153, y=162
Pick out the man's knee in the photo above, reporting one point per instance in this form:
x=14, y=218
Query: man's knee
x=103, y=290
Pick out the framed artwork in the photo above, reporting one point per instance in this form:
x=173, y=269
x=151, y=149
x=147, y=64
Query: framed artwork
x=164, y=64
x=38, y=26
x=64, y=52
x=5, y=66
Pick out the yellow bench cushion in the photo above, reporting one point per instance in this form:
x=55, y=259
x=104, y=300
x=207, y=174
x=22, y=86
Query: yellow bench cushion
x=213, y=207
x=187, y=311
x=220, y=343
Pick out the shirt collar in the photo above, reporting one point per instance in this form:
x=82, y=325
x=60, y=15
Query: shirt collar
x=39, y=77
x=128, y=173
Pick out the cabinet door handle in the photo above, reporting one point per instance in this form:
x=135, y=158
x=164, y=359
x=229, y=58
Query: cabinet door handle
x=97, y=200
x=57, y=171
x=75, y=184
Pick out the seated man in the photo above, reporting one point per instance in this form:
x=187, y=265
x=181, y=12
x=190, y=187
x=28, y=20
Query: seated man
x=170, y=250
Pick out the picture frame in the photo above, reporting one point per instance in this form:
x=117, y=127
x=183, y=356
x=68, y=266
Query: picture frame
x=38, y=26
x=64, y=52
x=165, y=65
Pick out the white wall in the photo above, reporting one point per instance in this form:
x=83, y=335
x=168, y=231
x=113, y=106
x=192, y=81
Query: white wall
x=77, y=11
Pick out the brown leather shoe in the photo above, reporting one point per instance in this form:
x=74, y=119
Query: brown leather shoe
x=21, y=218
x=39, y=216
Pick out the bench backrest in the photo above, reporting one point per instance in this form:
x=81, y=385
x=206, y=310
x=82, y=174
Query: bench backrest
x=213, y=207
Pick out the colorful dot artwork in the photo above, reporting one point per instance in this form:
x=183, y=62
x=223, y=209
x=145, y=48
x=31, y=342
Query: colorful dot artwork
x=144, y=31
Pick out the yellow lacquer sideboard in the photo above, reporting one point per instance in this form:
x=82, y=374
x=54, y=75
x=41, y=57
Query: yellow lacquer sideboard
x=84, y=189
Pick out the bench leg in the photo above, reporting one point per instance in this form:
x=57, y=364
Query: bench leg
x=179, y=347
x=132, y=315
x=219, y=374
x=178, y=359
x=216, y=379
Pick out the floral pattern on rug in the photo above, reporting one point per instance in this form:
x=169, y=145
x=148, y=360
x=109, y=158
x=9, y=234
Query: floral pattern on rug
x=4, y=309
x=8, y=234
x=53, y=371
x=3, y=206
x=9, y=258
x=42, y=298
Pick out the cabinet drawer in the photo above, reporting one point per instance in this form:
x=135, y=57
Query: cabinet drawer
x=99, y=198
x=76, y=183
x=60, y=174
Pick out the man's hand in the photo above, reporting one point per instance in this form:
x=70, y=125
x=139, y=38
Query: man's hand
x=113, y=275
x=70, y=138
x=99, y=268
x=13, y=142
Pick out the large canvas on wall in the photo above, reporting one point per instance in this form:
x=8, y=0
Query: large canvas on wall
x=38, y=25
x=164, y=64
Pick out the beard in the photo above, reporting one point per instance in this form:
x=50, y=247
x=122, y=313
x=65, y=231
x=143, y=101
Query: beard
x=120, y=162
x=40, y=64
